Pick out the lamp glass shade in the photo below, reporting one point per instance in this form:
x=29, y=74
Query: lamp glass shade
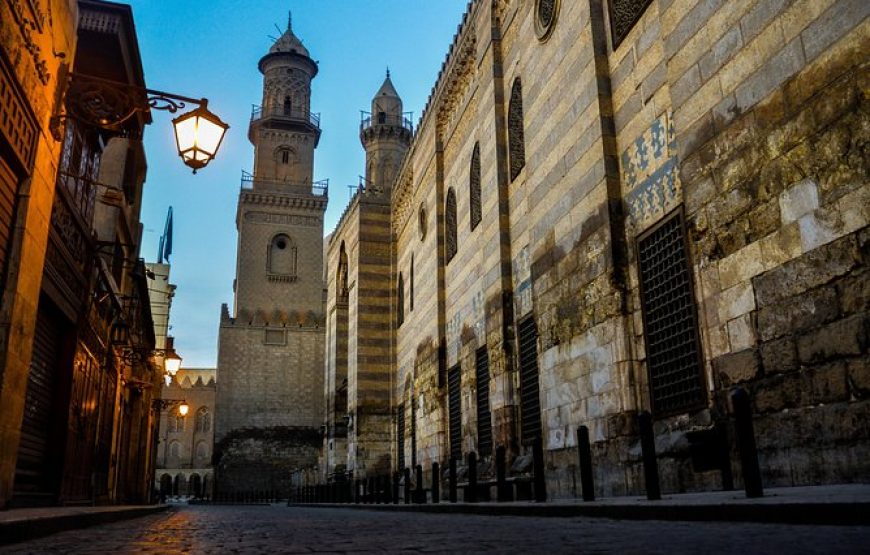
x=183, y=408
x=172, y=363
x=198, y=136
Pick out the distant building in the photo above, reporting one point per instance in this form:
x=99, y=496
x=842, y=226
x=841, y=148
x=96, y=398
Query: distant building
x=186, y=443
x=271, y=346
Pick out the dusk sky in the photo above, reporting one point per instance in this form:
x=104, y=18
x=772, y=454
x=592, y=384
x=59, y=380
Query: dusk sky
x=211, y=49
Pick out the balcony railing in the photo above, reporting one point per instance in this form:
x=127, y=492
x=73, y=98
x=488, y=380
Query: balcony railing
x=316, y=188
x=368, y=120
x=284, y=113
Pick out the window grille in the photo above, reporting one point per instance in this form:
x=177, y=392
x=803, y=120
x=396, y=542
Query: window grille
x=450, y=224
x=530, y=401
x=484, y=421
x=670, y=319
x=400, y=437
x=476, y=213
x=623, y=15
x=454, y=379
x=516, y=140
x=400, y=301
x=411, y=287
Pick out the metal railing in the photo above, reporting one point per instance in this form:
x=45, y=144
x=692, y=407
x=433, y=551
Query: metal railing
x=316, y=188
x=288, y=114
x=367, y=120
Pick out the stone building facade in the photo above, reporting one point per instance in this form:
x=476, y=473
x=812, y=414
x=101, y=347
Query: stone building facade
x=625, y=206
x=270, y=349
x=76, y=418
x=186, y=443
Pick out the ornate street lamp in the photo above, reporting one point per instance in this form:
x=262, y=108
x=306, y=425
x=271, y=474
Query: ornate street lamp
x=165, y=404
x=107, y=104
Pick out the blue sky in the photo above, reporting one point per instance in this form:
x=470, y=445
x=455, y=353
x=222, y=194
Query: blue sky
x=210, y=49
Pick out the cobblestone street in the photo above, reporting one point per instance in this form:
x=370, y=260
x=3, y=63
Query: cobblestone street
x=278, y=529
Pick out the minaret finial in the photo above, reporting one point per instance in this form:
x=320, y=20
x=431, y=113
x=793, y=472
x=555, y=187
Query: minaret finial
x=388, y=72
x=290, y=20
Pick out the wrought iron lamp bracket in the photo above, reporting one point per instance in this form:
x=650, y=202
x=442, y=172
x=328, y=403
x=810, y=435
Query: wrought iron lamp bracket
x=165, y=404
x=132, y=356
x=107, y=104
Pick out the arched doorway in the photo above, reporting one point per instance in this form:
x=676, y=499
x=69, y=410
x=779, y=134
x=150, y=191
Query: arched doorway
x=165, y=485
x=195, y=488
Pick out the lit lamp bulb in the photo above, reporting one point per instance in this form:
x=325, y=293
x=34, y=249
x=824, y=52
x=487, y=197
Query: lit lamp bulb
x=172, y=363
x=183, y=408
x=198, y=135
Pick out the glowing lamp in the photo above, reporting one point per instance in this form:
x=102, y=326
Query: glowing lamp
x=183, y=408
x=198, y=136
x=172, y=363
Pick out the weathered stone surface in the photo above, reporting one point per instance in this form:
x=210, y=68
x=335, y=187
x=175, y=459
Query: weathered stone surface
x=798, y=314
x=779, y=355
x=847, y=337
x=736, y=367
x=814, y=268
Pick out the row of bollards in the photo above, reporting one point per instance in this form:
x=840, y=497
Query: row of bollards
x=385, y=489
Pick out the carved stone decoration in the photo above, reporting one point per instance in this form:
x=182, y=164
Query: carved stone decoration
x=546, y=14
x=516, y=140
x=450, y=224
x=623, y=15
x=422, y=221
x=476, y=213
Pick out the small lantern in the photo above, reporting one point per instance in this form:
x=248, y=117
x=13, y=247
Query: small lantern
x=183, y=408
x=172, y=363
x=198, y=135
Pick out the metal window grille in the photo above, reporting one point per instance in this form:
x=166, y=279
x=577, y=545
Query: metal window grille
x=530, y=401
x=413, y=433
x=474, y=188
x=484, y=421
x=670, y=319
x=400, y=301
x=454, y=378
x=516, y=140
x=450, y=224
x=400, y=437
x=623, y=15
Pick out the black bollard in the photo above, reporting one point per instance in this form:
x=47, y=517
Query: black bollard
x=746, y=442
x=471, y=491
x=452, y=479
x=407, y=486
x=397, y=477
x=585, y=455
x=501, y=474
x=650, y=465
x=436, y=482
x=356, y=491
x=419, y=492
x=538, y=462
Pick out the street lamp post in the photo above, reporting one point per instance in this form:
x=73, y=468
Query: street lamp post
x=107, y=105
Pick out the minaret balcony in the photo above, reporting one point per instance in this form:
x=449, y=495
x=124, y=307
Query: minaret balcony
x=312, y=188
x=284, y=114
x=385, y=125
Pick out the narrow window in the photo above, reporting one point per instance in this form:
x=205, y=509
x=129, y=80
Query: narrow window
x=285, y=157
x=281, y=256
x=450, y=224
x=203, y=420
x=342, y=273
x=516, y=141
x=673, y=349
x=484, y=422
x=454, y=400
x=382, y=117
x=175, y=450
x=411, y=287
x=530, y=402
x=288, y=106
x=201, y=450
x=400, y=437
x=400, y=301
x=474, y=188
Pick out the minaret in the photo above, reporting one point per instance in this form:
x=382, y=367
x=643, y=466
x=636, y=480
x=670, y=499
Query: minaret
x=269, y=404
x=280, y=217
x=385, y=135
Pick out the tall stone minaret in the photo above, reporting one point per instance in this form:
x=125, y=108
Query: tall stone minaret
x=270, y=350
x=385, y=137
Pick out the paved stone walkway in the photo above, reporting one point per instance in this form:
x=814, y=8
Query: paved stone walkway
x=278, y=529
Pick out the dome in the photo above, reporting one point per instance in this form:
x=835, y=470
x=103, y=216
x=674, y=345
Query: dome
x=288, y=42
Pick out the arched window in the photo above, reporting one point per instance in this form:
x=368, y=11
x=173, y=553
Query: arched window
x=282, y=256
x=474, y=188
x=175, y=450
x=285, y=157
x=516, y=141
x=450, y=224
x=411, y=287
x=166, y=485
x=203, y=420
x=202, y=450
x=400, y=300
x=195, y=485
x=288, y=106
x=175, y=422
x=341, y=278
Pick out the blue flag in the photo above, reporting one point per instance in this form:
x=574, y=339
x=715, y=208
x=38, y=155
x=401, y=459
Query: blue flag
x=166, y=249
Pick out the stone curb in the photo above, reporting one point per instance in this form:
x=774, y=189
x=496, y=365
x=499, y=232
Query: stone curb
x=29, y=529
x=845, y=514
